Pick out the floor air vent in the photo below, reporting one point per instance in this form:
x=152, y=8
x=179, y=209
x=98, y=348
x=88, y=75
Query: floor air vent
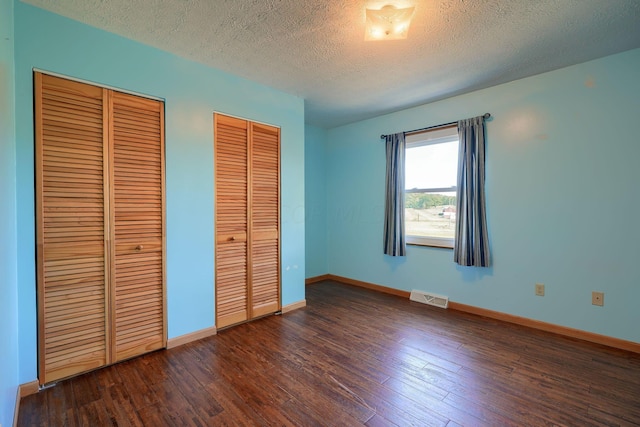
x=431, y=299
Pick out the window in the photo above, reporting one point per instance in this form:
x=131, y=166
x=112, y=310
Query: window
x=431, y=169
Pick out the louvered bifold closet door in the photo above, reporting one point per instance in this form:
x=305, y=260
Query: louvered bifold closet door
x=70, y=207
x=138, y=225
x=230, y=150
x=265, y=219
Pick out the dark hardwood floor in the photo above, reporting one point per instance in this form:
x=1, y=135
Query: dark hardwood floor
x=357, y=357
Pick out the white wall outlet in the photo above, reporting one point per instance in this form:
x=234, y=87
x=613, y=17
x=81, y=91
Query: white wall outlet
x=597, y=298
x=539, y=289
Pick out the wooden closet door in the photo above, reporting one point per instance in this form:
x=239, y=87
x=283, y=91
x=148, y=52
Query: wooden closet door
x=265, y=219
x=100, y=226
x=230, y=149
x=71, y=206
x=137, y=151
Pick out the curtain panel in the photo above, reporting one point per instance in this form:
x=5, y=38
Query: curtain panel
x=471, y=245
x=394, y=238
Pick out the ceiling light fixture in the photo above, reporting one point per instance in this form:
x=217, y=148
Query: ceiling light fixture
x=388, y=23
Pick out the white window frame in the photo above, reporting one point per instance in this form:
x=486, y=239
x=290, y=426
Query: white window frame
x=420, y=139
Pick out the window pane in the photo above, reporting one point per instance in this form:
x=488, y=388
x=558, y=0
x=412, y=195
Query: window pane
x=430, y=214
x=431, y=166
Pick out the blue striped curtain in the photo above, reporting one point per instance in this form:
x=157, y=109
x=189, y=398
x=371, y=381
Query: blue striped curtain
x=394, y=241
x=471, y=247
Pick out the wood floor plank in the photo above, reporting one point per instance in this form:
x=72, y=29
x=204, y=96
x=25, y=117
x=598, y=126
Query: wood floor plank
x=138, y=386
x=296, y=379
x=205, y=406
x=355, y=357
x=59, y=403
x=173, y=405
x=120, y=407
x=298, y=412
x=235, y=412
x=157, y=414
x=94, y=413
x=86, y=389
x=36, y=413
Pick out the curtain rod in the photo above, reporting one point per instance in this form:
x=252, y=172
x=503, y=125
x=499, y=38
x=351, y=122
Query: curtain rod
x=485, y=116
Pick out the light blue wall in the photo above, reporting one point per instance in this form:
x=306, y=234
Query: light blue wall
x=562, y=199
x=8, y=238
x=315, y=200
x=192, y=92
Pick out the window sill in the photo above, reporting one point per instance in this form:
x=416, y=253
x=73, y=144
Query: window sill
x=437, y=242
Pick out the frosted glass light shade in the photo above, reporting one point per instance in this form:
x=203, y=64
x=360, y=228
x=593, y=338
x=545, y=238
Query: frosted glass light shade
x=388, y=23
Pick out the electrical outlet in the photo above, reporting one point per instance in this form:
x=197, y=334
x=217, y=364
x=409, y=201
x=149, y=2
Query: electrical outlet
x=539, y=289
x=597, y=298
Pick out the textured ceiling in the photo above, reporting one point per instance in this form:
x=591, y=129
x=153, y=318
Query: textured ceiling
x=315, y=48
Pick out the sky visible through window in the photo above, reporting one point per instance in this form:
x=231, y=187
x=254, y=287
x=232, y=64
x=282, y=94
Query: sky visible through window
x=431, y=166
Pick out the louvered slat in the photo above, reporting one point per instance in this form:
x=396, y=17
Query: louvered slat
x=70, y=210
x=265, y=219
x=138, y=206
